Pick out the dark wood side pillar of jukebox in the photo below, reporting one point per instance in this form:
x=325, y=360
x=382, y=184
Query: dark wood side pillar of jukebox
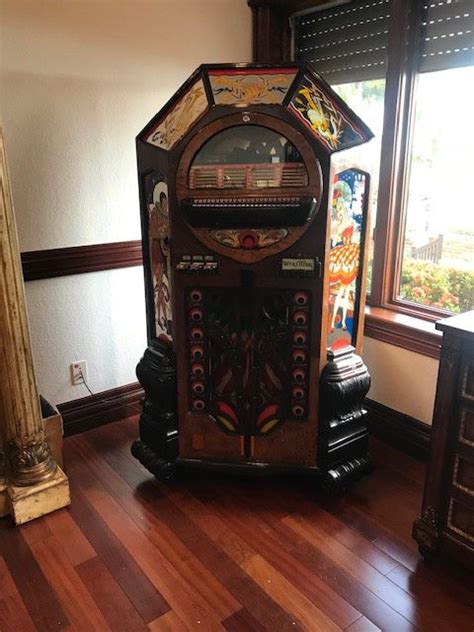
x=254, y=244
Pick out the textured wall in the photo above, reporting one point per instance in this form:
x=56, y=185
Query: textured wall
x=79, y=81
x=401, y=379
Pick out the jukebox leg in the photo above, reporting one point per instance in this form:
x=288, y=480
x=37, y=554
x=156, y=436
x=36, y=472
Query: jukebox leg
x=343, y=437
x=157, y=447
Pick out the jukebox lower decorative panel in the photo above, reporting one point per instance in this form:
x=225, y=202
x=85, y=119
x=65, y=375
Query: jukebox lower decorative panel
x=254, y=245
x=248, y=366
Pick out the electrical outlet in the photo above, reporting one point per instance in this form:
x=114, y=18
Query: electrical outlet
x=78, y=372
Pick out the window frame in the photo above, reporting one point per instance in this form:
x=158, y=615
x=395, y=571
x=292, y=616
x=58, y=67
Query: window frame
x=388, y=318
x=395, y=162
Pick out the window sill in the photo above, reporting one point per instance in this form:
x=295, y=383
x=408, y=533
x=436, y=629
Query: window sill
x=402, y=330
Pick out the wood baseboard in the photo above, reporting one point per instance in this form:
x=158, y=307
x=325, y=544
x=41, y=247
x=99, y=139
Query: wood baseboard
x=56, y=262
x=96, y=410
x=399, y=430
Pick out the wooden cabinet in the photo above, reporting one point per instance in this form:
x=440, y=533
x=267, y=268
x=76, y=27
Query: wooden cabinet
x=447, y=520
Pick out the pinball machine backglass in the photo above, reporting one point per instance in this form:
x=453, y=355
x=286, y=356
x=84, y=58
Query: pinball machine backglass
x=254, y=244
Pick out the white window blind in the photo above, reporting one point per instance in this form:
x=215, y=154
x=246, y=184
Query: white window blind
x=447, y=35
x=347, y=42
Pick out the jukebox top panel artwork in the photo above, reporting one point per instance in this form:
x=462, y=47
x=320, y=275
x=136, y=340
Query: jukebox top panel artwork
x=180, y=118
x=320, y=112
x=156, y=194
x=241, y=86
x=348, y=215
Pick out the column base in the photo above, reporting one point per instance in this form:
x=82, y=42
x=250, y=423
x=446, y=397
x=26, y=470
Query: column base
x=4, y=507
x=27, y=503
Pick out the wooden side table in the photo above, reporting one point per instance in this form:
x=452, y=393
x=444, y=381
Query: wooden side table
x=446, y=524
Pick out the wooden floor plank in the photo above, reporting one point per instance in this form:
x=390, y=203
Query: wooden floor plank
x=305, y=613
x=80, y=608
x=291, y=553
x=148, y=601
x=35, y=531
x=168, y=515
x=13, y=613
x=109, y=597
x=190, y=604
x=380, y=585
x=169, y=622
x=66, y=531
x=302, y=502
x=179, y=557
x=235, y=547
x=243, y=621
x=432, y=596
x=362, y=625
x=40, y=599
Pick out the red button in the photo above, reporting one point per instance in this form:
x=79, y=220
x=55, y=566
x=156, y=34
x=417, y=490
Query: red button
x=299, y=337
x=198, y=404
x=297, y=392
x=301, y=298
x=299, y=355
x=196, y=295
x=198, y=387
x=248, y=240
x=298, y=375
x=197, y=352
x=300, y=318
x=197, y=369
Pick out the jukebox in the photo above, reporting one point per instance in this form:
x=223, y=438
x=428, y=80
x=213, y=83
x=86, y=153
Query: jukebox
x=254, y=248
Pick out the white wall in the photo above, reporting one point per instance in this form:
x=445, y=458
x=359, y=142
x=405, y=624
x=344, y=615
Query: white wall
x=80, y=78
x=401, y=379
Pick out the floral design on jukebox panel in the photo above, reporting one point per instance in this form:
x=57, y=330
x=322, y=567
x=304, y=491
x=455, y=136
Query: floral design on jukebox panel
x=312, y=105
x=156, y=192
x=249, y=360
x=242, y=87
x=180, y=118
x=349, y=195
x=256, y=237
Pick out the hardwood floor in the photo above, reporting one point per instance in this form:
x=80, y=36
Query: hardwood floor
x=214, y=552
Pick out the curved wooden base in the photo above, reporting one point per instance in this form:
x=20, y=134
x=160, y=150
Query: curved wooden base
x=343, y=433
x=342, y=476
x=162, y=469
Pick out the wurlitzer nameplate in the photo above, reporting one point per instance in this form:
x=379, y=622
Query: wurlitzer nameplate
x=300, y=266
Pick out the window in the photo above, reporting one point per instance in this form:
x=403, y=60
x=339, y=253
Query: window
x=437, y=266
x=413, y=60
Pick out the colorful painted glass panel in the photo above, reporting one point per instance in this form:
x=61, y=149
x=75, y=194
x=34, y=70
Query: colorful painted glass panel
x=319, y=111
x=180, y=118
x=348, y=216
x=156, y=193
x=244, y=86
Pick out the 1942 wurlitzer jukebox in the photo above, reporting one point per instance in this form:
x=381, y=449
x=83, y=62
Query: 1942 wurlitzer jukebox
x=254, y=249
